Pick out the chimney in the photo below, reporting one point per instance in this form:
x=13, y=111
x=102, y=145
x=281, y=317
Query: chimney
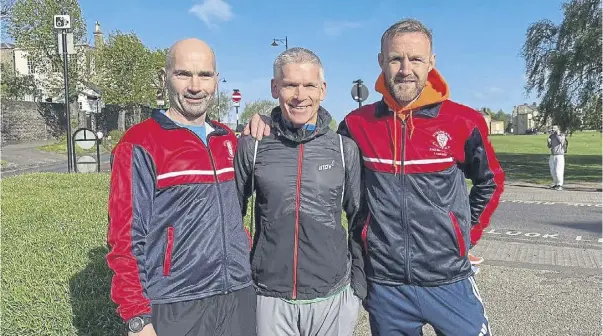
x=99, y=39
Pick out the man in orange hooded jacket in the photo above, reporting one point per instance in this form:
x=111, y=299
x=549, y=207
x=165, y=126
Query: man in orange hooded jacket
x=418, y=147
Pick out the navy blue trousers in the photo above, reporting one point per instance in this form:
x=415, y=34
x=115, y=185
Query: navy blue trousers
x=454, y=309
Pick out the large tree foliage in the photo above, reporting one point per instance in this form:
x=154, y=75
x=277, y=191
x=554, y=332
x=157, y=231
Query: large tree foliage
x=220, y=106
x=262, y=106
x=563, y=66
x=29, y=23
x=15, y=87
x=127, y=71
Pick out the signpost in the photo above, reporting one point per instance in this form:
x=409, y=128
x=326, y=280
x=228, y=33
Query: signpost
x=359, y=92
x=86, y=139
x=63, y=24
x=236, y=99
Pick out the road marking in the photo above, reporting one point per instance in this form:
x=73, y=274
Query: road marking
x=515, y=233
x=597, y=205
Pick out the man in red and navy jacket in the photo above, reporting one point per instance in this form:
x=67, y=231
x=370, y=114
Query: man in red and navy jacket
x=418, y=147
x=179, y=251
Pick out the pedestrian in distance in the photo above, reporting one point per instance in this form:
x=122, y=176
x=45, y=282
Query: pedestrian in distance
x=557, y=144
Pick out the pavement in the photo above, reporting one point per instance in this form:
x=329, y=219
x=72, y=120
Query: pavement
x=26, y=158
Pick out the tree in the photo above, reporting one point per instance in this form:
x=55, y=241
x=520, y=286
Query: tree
x=261, y=106
x=30, y=24
x=563, y=66
x=127, y=69
x=333, y=124
x=501, y=116
x=16, y=87
x=220, y=106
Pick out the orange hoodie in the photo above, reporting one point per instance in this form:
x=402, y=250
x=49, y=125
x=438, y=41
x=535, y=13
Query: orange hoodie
x=435, y=91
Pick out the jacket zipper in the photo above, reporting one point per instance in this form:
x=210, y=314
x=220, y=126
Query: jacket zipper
x=213, y=164
x=365, y=233
x=297, y=205
x=404, y=204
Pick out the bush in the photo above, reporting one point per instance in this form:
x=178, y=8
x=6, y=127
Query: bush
x=116, y=136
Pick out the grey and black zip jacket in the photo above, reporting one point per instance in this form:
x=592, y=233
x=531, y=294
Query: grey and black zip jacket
x=300, y=249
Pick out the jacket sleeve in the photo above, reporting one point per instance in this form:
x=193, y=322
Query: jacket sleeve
x=243, y=162
x=356, y=212
x=484, y=170
x=131, y=197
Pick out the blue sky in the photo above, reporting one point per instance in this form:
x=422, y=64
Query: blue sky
x=477, y=43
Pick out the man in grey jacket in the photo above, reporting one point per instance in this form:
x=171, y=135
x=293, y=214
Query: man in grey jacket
x=308, y=271
x=557, y=143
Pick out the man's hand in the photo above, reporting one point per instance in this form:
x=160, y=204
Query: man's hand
x=257, y=127
x=148, y=330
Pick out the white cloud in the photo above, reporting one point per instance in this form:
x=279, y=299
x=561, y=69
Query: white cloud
x=212, y=9
x=336, y=28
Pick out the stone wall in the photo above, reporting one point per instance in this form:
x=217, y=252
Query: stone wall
x=30, y=121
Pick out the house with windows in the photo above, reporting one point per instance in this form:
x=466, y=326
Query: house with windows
x=89, y=96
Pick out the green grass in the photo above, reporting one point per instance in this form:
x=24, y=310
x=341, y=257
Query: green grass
x=525, y=157
x=54, y=276
x=55, y=280
x=3, y=163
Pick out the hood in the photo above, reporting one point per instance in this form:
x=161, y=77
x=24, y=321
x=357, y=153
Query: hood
x=300, y=134
x=435, y=91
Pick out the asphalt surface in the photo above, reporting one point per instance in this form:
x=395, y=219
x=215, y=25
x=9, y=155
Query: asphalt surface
x=542, y=269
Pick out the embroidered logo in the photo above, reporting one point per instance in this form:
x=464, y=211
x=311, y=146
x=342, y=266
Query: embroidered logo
x=442, y=139
x=326, y=166
x=229, y=147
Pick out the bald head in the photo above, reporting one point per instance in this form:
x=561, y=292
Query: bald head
x=191, y=79
x=186, y=47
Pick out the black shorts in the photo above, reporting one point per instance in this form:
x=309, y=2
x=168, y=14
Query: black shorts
x=233, y=314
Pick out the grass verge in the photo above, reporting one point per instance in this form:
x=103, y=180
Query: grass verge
x=54, y=276
x=526, y=157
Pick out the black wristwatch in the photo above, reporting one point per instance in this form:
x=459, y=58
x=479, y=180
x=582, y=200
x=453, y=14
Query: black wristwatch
x=137, y=323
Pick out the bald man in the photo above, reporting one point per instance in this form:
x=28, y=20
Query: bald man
x=179, y=251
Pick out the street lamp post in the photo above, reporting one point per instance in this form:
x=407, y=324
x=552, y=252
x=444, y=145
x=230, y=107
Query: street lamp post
x=223, y=80
x=275, y=42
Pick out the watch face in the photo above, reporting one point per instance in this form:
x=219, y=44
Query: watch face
x=136, y=324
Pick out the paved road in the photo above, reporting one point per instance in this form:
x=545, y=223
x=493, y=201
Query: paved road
x=542, y=274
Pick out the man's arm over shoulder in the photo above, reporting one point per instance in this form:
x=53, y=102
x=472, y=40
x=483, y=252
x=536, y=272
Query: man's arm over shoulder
x=243, y=165
x=484, y=170
x=131, y=197
x=356, y=211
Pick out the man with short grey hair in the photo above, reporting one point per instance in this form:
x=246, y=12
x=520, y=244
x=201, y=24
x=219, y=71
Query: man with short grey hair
x=308, y=271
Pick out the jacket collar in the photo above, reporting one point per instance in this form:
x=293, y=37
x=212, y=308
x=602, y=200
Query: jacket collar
x=301, y=134
x=428, y=111
x=166, y=123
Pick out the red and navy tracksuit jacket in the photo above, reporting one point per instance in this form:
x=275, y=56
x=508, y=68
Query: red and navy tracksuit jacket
x=175, y=226
x=421, y=218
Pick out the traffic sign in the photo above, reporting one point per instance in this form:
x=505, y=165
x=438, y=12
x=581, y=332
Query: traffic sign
x=236, y=96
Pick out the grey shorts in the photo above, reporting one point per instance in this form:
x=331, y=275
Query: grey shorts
x=335, y=316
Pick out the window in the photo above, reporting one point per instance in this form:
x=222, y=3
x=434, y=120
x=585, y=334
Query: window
x=80, y=106
x=30, y=66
